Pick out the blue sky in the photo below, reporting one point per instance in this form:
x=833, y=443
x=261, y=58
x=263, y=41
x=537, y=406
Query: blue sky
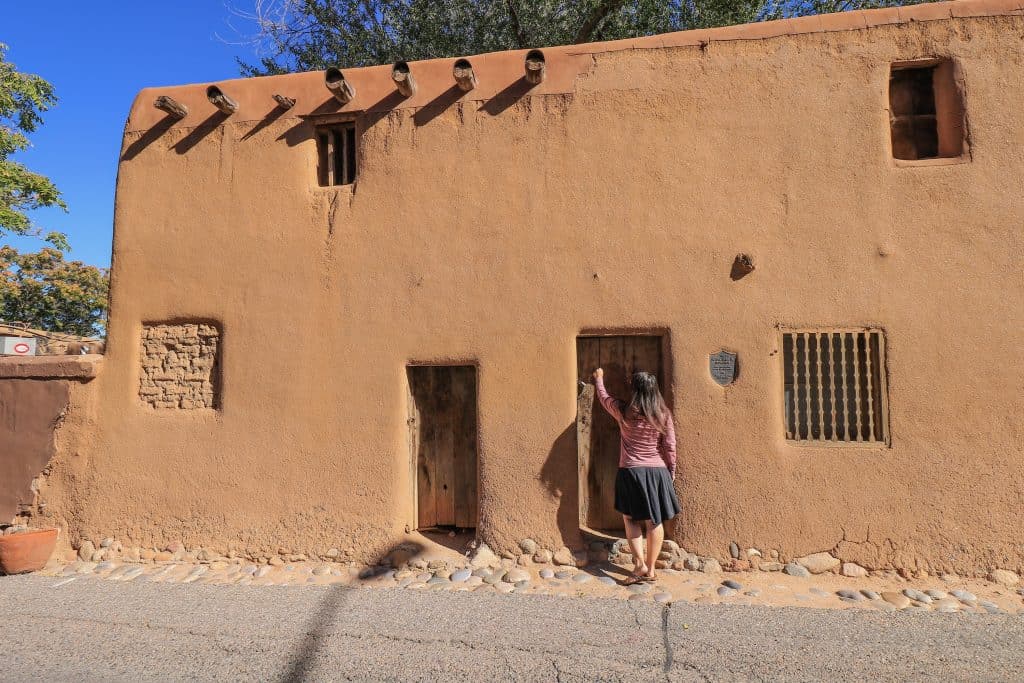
x=98, y=55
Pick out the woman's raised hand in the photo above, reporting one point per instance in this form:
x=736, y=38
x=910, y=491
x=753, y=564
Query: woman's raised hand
x=598, y=374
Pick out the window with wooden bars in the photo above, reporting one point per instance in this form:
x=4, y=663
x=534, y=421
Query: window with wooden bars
x=926, y=111
x=835, y=386
x=336, y=154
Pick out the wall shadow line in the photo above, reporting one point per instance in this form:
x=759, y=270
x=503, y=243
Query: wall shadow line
x=438, y=105
x=507, y=97
x=149, y=137
x=201, y=131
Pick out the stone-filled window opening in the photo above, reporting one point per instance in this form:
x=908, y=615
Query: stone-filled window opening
x=835, y=386
x=336, y=154
x=926, y=112
x=180, y=366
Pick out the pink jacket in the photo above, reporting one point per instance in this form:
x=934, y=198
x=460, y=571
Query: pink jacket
x=642, y=445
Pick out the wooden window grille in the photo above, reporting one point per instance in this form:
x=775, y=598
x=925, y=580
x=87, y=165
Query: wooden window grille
x=926, y=112
x=835, y=387
x=336, y=153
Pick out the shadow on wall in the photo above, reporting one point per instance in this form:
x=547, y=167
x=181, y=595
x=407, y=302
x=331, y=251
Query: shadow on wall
x=300, y=132
x=560, y=474
x=437, y=106
x=210, y=124
x=148, y=138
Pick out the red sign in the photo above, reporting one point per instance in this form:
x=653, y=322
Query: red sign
x=21, y=347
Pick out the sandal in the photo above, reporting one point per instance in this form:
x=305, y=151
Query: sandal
x=633, y=579
x=648, y=579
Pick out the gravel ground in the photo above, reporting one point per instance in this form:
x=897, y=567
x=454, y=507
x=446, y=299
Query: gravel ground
x=56, y=630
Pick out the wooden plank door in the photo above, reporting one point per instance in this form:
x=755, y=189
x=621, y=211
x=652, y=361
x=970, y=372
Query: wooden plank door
x=443, y=444
x=597, y=432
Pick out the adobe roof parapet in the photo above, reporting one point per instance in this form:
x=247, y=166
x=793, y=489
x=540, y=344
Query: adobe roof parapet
x=50, y=367
x=498, y=73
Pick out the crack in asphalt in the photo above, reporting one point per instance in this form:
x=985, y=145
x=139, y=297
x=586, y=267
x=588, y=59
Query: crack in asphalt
x=665, y=639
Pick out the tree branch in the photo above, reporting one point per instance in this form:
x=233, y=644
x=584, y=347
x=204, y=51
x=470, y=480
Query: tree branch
x=596, y=17
x=517, y=28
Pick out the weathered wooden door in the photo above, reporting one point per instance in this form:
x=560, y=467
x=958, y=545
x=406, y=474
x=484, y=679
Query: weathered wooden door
x=442, y=441
x=597, y=433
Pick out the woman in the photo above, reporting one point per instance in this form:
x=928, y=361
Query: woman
x=644, y=492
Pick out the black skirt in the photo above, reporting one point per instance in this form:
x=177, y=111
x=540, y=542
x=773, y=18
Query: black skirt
x=646, y=493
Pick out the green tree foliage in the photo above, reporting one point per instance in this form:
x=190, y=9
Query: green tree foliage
x=23, y=99
x=306, y=35
x=49, y=293
x=40, y=289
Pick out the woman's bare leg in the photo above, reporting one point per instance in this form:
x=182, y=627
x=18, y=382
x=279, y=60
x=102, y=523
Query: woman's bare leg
x=655, y=537
x=634, y=534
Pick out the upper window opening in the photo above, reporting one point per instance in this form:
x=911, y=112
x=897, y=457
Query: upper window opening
x=835, y=386
x=925, y=111
x=336, y=151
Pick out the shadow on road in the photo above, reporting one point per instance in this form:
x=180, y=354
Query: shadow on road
x=316, y=633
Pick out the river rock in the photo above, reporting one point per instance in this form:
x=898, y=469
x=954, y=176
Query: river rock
x=917, y=596
x=563, y=556
x=896, y=599
x=86, y=550
x=849, y=594
x=794, y=569
x=528, y=546
x=936, y=594
x=542, y=556
x=770, y=566
x=870, y=594
x=818, y=563
x=734, y=550
x=483, y=557
x=516, y=575
x=547, y=573
x=692, y=563
x=735, y=585
x=582, y=577
x=725, y=591
x=662, y=598
x=854, y=571
x=1004, y=577
x=966, y=597
x=461, y=575
x=711, y=566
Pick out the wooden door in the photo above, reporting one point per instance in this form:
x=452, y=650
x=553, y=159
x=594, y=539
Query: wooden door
x=597, y=432
x=442, y=440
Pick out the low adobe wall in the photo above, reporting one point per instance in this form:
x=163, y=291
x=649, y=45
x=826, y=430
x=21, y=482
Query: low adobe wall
x=36, y=395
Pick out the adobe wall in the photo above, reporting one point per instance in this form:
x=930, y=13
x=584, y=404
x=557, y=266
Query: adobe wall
x=39, y=397
x=496, y=230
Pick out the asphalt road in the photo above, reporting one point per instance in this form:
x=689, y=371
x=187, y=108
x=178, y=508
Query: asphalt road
x=93, y=630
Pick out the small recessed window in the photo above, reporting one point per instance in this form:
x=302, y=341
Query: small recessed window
x=835, y=386
x=336, y=152
x=926, y=111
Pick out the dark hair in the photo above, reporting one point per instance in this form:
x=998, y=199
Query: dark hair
x=647, y=400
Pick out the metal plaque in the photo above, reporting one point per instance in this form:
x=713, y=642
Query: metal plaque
x=723, y=367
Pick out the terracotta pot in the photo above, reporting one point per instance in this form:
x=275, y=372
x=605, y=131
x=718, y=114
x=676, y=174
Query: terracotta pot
x=26, y=552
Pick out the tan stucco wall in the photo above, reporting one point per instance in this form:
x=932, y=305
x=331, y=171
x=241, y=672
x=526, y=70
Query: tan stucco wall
x=496, y=231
